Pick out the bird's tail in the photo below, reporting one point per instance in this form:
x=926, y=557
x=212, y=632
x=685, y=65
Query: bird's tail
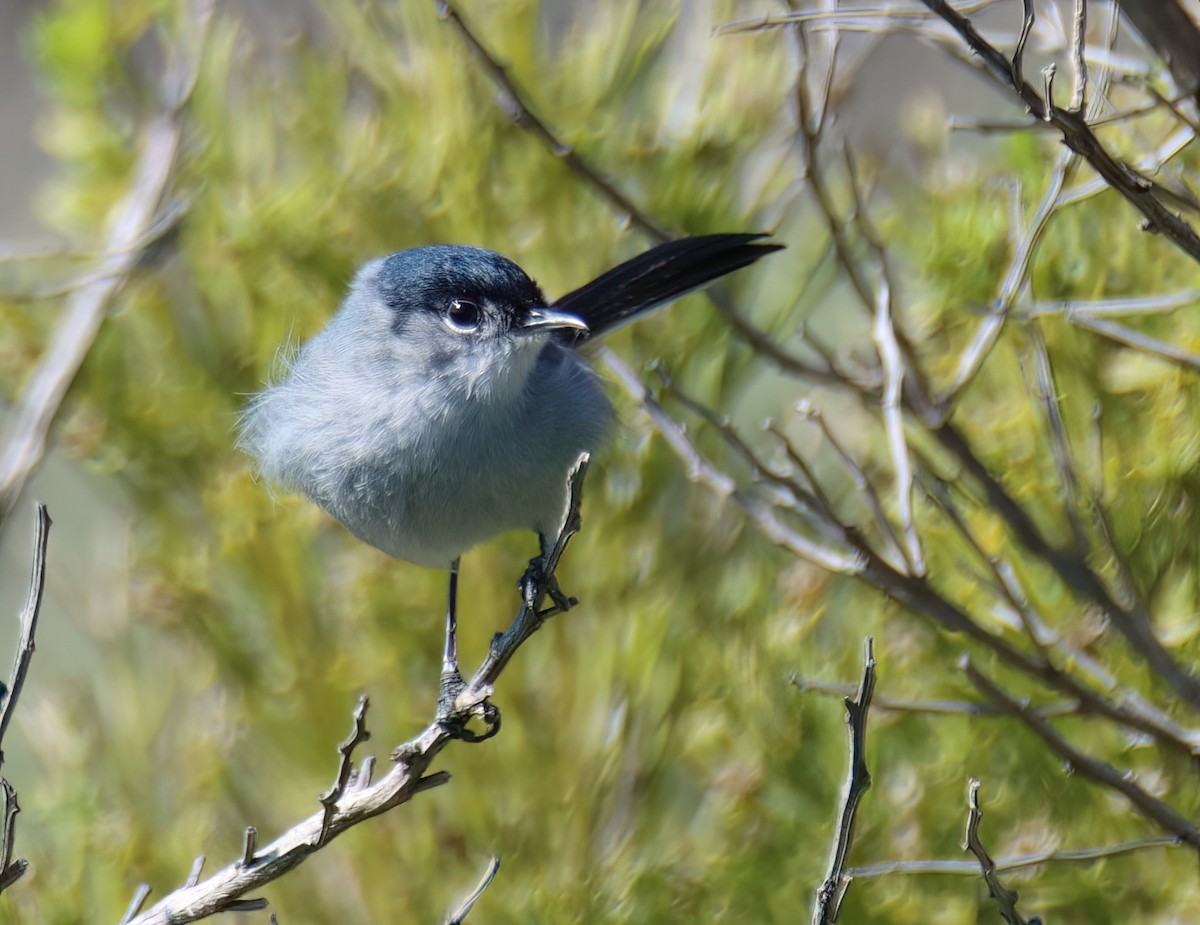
x=660, y=275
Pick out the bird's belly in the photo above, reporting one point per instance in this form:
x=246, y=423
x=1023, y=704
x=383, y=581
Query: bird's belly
x=457, y=479
x=467, y=492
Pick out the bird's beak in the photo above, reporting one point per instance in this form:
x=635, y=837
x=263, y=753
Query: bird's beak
x=546, y=319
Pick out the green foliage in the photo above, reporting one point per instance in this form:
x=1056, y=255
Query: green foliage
x=655, y=765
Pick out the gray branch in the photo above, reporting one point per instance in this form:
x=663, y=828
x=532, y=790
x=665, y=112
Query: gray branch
x=361, y=799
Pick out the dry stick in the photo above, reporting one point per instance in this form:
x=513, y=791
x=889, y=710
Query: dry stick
x=1078, y=62
x=1006, y=898
x=1162, y=303
x=525, y=116
x=135, y=904
x=358, y=735
x=926, y=707
x=1047, y=395
x=12, y=870
x=1133, y=710
x=858, y=782
x=80, y=323
x=972, y=358
x=840, y=19
x=1075, y=574
x=1132, y=622
x=892, y=552
x=1086, y=765
x=859, y=560
x=220, y=891
x=833, y=557
x=1135, y=340
x=1083, y=855
x=29, y=620
x=815, y=508
x=884, y=334
x=464, y=908
x=890, y=344
x=1078, y=136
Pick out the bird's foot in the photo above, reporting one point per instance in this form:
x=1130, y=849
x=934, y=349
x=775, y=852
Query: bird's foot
x=536, y=582
x=454, y=716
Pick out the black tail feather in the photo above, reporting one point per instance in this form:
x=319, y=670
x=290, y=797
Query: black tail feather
x=658, y=276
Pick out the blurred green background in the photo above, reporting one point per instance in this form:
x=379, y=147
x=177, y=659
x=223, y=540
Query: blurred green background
x=205, y=640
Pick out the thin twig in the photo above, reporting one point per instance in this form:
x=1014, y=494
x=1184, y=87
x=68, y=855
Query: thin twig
x=843, y=559
x=1078, y=55
x=358, y=735
x=29, y=620
x=858, y=782
x=1082, y=855
x=135, y=904
x=858, y=478
x=927, y=707
x=259, y=865
x=77, y=329
x=893, y=418
x=1024, y=247
x=459, y=915
x=1006, y=897
x=1078, y=136
x=1124, y=305
x=1086, y=765
x=525, y=116
x=249, y=844
x=1135, y=340
x=1047, y=394
x=798, y=497
x=194, y=875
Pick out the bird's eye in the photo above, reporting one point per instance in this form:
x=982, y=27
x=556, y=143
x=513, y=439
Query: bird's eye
x=463, y=316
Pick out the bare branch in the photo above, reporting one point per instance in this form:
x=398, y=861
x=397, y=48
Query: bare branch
x=1006, y=898
x=1082, y=855
x=1139, y=191
x=1018, y=56
x=1025, y=244
x=844, y=560
x=893, y=418
x=129, y=221
x=927, y=707
x=858, y=782
x=1047, y=395
x=1131, y=305
x=860, y=481
x=358, y=735
x=1134, y=340
x=1078, y=54
x=524, y=115
x=249, y=844
x=1085, y=765
x=135, y=904
x=459, y=915
x=259, y=865
x=29, y=620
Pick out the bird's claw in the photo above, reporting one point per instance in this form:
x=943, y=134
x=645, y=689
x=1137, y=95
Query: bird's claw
x=536, y=582
x=454, y=719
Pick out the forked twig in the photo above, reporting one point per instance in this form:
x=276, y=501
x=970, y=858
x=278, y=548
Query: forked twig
x=858, y=781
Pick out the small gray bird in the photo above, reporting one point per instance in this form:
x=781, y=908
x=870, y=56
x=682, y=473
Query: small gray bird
x=446, y=400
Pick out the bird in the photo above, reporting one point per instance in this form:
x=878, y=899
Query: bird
x=447, y=399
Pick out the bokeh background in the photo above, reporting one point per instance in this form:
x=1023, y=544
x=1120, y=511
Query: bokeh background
x=205, y=639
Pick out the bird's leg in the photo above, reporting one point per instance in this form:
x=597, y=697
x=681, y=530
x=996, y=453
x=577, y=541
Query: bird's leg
x=537, y=577
x=449, y=713
x=450, y=653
